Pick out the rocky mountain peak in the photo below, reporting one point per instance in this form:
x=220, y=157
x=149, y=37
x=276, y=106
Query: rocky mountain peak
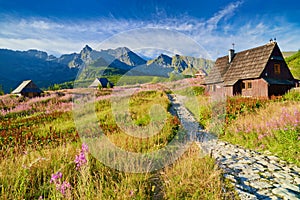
x=38, y=54
x=87, y=48
x=85, y=54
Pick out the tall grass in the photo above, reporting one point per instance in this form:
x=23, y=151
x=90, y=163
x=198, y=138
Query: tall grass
x=275, y=128
x=41, y=157
x=259, y=124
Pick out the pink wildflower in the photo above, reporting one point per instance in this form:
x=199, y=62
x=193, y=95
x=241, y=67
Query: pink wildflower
x=55, y=177
x=80, y=159
x=63, y=187
x=84, y=147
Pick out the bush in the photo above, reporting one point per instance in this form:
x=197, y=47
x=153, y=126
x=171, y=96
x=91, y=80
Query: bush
x=293, y=95
x=239, y=105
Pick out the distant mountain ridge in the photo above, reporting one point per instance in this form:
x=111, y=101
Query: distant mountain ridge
x=45, y=70
x=186, y=65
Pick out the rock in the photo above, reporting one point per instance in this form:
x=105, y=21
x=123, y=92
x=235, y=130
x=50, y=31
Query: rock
x=297, y=180
x=230, y=177
x=282, y=175
x=260, y=185
x=291, y=187
x=285, y=194
x=246, y=188
x=244, y=195
x=259, y=167
x=273, y=167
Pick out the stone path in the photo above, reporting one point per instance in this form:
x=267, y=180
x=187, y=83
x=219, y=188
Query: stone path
x=253, y=174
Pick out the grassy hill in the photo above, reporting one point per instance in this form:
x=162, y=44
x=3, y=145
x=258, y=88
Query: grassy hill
x=288, y=53
x=294, y=64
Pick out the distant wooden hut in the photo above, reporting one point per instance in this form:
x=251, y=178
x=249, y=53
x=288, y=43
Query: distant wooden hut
x=27, y=89
x=103, y=82
x=200, y=74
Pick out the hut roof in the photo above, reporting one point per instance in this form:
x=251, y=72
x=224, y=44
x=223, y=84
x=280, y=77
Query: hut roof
x=103, y=81
x=27, y=86
x=244, y=65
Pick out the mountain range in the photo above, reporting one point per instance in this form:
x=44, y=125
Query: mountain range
x=45, y=70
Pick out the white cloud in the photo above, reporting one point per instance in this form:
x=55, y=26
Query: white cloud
x=213, y=34
x=228, y=11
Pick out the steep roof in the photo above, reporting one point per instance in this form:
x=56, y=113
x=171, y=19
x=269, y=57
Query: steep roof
x=103, y=81
x=244, y=65
x=27, y=86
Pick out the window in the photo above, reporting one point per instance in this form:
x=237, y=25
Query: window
x=213, y=88
x=243, y=85
x=249, y=85
x=277, y=68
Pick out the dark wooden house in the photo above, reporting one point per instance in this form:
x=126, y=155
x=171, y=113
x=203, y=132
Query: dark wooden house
x=27, y=89
x=103, y=82
x=257, y=72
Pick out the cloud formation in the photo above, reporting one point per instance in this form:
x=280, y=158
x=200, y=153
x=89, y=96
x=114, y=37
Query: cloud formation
x=215, y=34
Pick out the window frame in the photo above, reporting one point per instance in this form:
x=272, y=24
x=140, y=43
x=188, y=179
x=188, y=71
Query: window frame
x=249, y=85
x=277, y=69
x=243, y=85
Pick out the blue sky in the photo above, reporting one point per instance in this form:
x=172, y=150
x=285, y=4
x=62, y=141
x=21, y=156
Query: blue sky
x=66, y=26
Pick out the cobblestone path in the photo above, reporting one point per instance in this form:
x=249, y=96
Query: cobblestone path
x=253, y=174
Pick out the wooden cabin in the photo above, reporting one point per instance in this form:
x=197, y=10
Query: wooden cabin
x=27, y=89
x=103, y=82
x=257, y=72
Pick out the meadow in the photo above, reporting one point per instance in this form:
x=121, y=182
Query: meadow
x=43, y=157
x=271, y=126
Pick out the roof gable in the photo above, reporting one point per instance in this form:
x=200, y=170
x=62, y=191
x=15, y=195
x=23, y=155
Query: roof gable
x=26, y=86
x=100, y=81
x=245, y=65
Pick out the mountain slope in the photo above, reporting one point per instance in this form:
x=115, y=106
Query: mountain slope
x=16, y=66
x=293, y=63
x=185, y=65
x=162, y=60
x=45, y=70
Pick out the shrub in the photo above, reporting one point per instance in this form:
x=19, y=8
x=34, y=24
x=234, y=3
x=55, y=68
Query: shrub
x=293, y=95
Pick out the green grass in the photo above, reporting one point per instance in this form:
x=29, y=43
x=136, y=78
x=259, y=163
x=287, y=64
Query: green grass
x=288, y=53
x=293, y=63
x=262, y=125
x=50, y=143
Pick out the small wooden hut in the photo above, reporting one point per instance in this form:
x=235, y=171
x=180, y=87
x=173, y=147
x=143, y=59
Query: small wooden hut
x=103, y=82
x=28, y=89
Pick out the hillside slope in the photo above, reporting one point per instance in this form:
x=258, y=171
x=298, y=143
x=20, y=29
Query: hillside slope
x=294, y=64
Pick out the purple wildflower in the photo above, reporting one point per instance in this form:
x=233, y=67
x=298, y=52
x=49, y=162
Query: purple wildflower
x=84, y=148
x=261, y=136
x=55, y=177
x=262, y=146
x=63, y=187
x=80, y=159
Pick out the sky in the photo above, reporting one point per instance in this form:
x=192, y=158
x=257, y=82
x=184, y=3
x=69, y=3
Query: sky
x=197, y=28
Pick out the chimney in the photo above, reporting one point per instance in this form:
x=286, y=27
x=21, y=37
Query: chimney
x=230, y=55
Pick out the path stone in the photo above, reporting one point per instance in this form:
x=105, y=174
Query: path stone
x=253, y=174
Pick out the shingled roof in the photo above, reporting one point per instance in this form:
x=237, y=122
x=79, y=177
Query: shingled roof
x=246, y=64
